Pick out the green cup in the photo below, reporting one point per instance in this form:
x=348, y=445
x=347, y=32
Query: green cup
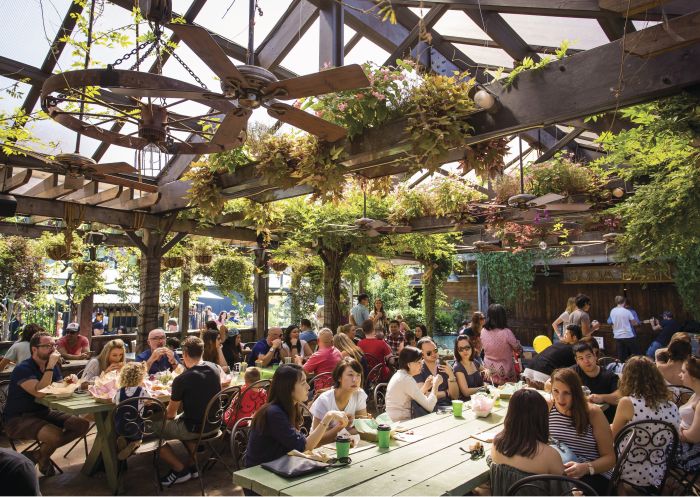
x=342, y=446
x=457, y=408
x=383, y=436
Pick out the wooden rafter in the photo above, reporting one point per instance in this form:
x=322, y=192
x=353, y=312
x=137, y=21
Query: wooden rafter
x=426, y=24
x=676, y=33
x=292, y=25
x=9, y=181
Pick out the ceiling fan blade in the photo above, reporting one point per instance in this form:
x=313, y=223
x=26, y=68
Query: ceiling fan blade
x=117, y=180
x=231, y=127
x=372, y=233
x=338, y=79
x=165, y=93
x=315, y=125
x=377, y=223
x=115, y=167
x=201, y=43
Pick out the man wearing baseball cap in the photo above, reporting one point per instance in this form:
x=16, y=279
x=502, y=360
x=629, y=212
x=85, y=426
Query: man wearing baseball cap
x=72, y=345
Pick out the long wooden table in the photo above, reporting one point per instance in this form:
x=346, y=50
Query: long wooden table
x=430, y=463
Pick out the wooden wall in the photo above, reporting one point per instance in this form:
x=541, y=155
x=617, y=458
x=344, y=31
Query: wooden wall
x=464, y=289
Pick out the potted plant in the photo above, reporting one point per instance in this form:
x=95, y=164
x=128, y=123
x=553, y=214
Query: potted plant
x=277, y=265
x=233, y=273
x=89, y=278
x=175, y=257
x=56, y=248
x=202, y=251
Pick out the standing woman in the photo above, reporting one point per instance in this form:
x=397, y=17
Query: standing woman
x=275, y=426
x=466, y=370
x=645, y=397
x=560, y=324
x=223, y=317
x=499, y=344
x=111, y=358
x=378, y=315
x=583, y=428
x=293, y=346
x=689, y=433
x=473, y=331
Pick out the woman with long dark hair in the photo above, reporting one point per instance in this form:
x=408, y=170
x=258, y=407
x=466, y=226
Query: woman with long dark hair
x=232, y=348
x=378, y=315
x=275, y=426
x=583, y=428
x=421, y=331
x=499, y=344
x=212, y=349
x=466, y=370
x=293, y=346
x=402, y=388
x=521, y=449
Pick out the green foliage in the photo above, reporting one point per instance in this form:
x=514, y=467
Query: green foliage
x=57, y=246
x=233, y=273
x=444, y=196
x=88, y=279
x=21, y=269
x=662, y=219
x=395, y=291
x=560, y=175
x=528, y=64
x=510, y=275
x=485, y=158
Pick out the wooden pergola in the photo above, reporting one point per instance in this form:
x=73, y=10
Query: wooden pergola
x=546, y=108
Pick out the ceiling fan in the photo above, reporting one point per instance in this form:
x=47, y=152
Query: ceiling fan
x=77, y=168
x=370, y=227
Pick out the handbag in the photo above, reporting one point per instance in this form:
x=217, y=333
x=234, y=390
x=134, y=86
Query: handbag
x=293, y=466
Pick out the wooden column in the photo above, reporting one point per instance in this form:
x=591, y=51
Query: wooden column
x=261, y=288
x=183, y=317
x=331, y=46
x=333, y=261
x=85, y=308
x=149, y=287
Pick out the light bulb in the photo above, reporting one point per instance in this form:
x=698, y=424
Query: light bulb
x=543, y=245
x=484, y=99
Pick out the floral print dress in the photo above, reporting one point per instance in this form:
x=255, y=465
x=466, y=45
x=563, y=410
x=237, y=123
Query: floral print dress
x=499, y=345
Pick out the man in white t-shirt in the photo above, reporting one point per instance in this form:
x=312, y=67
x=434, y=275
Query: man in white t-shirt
x=622, y=322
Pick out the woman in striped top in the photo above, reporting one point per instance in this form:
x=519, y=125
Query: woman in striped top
x=581, y=426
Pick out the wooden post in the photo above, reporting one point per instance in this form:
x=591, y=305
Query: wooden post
x=183, y=317
x=331, y=24
x=261, y=288
x=333, y=261
x=149, y=288
x=429, y=299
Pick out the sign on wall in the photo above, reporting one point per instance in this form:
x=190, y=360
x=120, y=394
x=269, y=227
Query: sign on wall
x=614, y=274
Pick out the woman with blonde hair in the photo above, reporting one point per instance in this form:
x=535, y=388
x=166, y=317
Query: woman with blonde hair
x=645, y=397
x=559, y=324
x=111, y=358
x=347, y=348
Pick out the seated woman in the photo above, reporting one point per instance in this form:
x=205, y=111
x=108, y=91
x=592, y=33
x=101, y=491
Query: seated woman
x=275, y=427
x=402, y=388
x=466, y=369
x=232, y=348
x=582, y=427
x=678, y=351
x=346, y=395
x=111, y=358
x=212, y=349
x=293, y=346
x=521, y=449
x=645, y=397
x=347, y=348
x=689, y=433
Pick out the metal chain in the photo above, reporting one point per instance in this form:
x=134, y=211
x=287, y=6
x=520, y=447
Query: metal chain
x=133, y=52
x=187, y=68
x=135, y=65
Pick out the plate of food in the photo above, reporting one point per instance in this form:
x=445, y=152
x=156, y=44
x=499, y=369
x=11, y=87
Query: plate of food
x=62, y=389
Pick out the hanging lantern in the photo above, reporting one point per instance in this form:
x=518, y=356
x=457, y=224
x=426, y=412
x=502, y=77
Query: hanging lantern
x=152, y=157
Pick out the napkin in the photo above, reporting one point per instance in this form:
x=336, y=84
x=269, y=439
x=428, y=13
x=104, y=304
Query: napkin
x=367, y=427
x=315, y=454
x=60, y=388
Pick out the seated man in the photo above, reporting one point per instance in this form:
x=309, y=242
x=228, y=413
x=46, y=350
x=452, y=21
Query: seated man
x=157, y=356
x=560, y=354
x=396, y=338
x=72, y=345
x=376, y=350
x=601, y=382
x=25, y=418
x=267, y=349
x=307, y=333
x=19, y=474
x=324, y=360
x=192, y=390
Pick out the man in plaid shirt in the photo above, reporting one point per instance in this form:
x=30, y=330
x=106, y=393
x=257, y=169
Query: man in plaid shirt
x=395, y=339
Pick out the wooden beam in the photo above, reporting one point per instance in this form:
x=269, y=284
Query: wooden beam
x=481, y=42
x=101, y=197
x=14, y=181
x=616, y=28
x=331, y=34
x=630, y=7
x=568, y=138
x=498, y=29
x=47, y=184
x=118, y=197
x=87, y=190
x=356, y=38
x=427, y=23
x=297, y=19
x=676, y=33
x=141, y=203
x=34, y=231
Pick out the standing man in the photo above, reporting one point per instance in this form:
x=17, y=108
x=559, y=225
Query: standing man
x=157, y=356
x=98, y=325
x=26, y=419
x=360, y=313
x=376, y=350
x=560, y=354
x=623, y=332
x=580, y=316
x=395, y=339
x=192, y=390
x=448, y=389
x=72, y=345
x=267, y=349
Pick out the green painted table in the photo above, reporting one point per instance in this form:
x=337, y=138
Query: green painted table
x=429, y=462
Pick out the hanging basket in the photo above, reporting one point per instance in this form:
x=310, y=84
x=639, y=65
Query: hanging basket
x=58, y=253
x=80, y=267
x=277, y=266
x=172, y=262
x=203, y=258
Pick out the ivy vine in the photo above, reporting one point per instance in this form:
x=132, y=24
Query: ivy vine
x=510, y=275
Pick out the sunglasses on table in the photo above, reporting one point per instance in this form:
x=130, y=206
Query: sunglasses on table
x=474, y=454
x=338, y=462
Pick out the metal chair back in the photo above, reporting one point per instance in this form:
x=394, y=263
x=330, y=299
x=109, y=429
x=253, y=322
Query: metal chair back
x=544, y=485
x=680, y=394
x=642, y=443
x=239, y=442
x=380, y=398
x=605, y=361
x=139, y=417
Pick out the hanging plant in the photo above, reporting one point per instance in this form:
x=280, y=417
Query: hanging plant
x=89, y=279
x=277, y=266
x=54, y=246
x=233, y=273
x=561, y=175
x=510, y=276
x=202, y=250
x=485, y=158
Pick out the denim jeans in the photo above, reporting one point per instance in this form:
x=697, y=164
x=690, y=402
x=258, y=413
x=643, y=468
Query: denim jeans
x=651, y=351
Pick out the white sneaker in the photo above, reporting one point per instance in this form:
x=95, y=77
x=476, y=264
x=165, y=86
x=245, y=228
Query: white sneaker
x=174, y=478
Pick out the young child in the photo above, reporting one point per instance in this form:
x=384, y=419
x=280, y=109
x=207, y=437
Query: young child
x=128, y=422
x=247, y=401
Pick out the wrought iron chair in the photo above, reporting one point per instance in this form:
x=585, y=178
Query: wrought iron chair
x=651, y=442
x=688, y=481
x=213, y=417
x=680, y=394
x=307, y=422
x=605, y=361
x=313, y=390
x=239, y=442
x=543, y=485
x=380, y=398
x=374, y=378
x=141, y=419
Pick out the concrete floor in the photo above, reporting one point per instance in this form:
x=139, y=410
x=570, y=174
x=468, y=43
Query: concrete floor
x=138, y=479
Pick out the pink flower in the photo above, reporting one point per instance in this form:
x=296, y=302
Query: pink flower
x=342, y=106
x=297, y=104
x=378, y=96
x=320, y=113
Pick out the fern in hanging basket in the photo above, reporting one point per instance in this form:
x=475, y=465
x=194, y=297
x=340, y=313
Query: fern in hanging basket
x=89, y=279
x=172, y=262
x=277, y=266
x=233, y=273
x=54, y=246
x=202, y=250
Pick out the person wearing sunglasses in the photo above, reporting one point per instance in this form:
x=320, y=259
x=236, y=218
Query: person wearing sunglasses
x=466, y=370
x=432, y=367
